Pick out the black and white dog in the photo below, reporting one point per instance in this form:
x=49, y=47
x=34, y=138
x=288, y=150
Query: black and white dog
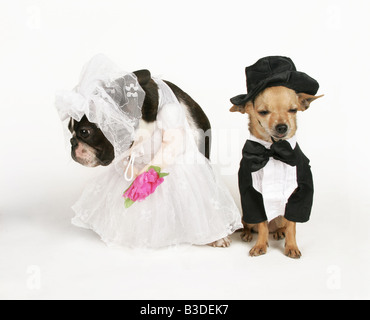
x=91, y=148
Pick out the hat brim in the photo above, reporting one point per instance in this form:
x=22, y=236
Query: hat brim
x=295, y=80
x=240, y=100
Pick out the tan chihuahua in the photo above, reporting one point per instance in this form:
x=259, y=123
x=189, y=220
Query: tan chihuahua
x=272, y=104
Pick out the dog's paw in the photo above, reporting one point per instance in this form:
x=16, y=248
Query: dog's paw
x=222, y=243
x=258, y=250
x=247, y=236
x=293, y=252
x=279, y=234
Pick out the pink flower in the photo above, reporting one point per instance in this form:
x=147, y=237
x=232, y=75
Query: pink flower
x=144, y=185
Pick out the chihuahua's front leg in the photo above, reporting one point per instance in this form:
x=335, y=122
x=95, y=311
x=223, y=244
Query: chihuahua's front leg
x=262, y=242
x=291, y=247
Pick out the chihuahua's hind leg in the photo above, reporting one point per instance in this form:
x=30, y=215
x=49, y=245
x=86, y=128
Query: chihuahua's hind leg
x=246, y=234
x=279, y=234
x=278, y=228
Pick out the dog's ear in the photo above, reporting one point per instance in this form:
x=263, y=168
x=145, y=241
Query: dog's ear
x=242, y=109
x=305, y=100
x=143, y=76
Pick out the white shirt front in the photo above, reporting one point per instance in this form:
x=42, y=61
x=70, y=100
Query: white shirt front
x=276, y=181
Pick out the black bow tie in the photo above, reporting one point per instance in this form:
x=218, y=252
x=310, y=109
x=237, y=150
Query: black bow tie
x=257, y=155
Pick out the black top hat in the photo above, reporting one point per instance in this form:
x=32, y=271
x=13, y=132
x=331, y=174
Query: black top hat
x=272, y=72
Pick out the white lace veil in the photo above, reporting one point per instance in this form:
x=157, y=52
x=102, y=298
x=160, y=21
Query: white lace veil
x=109, y=97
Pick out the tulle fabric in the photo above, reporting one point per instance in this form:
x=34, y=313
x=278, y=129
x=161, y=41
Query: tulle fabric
x=107, y=96
x=191, y=206
x=188, y=208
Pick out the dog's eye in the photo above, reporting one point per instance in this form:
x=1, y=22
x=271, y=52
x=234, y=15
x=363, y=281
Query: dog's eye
x=84, y=133
x=293, y=110
x=264, y=113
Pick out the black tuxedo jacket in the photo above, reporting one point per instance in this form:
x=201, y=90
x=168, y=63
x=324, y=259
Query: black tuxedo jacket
x=298, y=208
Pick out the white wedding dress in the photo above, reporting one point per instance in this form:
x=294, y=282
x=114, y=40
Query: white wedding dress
x=191, y=206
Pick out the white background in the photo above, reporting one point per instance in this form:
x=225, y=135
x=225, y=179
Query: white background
x=202, y=46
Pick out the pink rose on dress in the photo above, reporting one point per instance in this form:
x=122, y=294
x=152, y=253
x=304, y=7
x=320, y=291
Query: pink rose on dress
x=144, y=185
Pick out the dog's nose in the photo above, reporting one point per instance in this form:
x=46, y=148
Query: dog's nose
x=281, y=128
x=74, y=142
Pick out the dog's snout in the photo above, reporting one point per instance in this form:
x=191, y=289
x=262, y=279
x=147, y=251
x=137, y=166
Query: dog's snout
x=106, y=162
x=74, y=142
x=281, y=128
